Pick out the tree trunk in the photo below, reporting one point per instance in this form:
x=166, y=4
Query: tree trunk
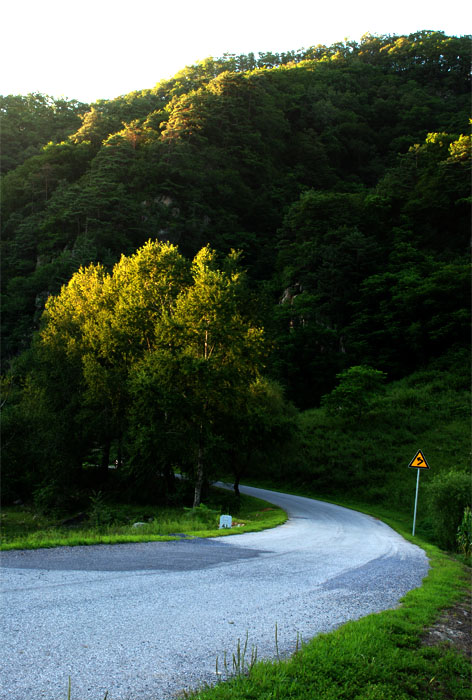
x=169, y=478
x=236, y=486
x=199, y=479
x=104, y=462
x=238, y=473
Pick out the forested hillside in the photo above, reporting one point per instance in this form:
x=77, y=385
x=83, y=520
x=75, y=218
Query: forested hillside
x=340, y=173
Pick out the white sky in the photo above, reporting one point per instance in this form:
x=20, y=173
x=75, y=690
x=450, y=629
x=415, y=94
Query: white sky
x=91, y=49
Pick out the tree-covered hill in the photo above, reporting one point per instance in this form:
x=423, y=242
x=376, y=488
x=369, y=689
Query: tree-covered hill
x=30, y=121
x=340, y=171
x=332, y=169
x=342, y=176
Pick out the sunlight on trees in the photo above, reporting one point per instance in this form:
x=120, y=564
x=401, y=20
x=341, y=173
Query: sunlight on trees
x=179, y=331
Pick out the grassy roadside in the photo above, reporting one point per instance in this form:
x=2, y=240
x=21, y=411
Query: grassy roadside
x=23, y=528
x=381, y=656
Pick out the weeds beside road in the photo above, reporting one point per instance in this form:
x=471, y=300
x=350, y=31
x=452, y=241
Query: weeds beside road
x=112, y=523
x=385, y=656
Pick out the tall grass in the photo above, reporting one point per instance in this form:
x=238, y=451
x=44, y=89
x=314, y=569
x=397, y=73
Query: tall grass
x=379, y=657
x=23, y=528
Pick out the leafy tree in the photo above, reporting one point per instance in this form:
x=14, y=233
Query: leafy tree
x=154, y=348
x=260, y=432
x=358, y=388
x=102, y=323
x=31, y=121
x=97, y=125
x=207, y=352
x=413, y=311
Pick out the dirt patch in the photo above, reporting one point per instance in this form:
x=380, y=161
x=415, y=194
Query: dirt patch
x=454, y=627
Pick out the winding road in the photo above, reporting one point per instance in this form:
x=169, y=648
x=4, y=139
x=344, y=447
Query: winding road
x=145, y=621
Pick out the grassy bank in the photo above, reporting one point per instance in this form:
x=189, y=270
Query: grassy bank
x=380, y=657
x=112, y=523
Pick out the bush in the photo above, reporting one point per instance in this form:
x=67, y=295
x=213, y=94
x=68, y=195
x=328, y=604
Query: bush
x=54, y=499
x=448, y=494
x=46, y=498
x=464, y=534
x=209, y=516
x=99, y=512
x=356, y=392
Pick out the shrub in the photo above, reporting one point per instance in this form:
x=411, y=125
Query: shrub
x=448, y=494
x=209, y=516
x=99, y=512
x=54, y=498
x=356, y=392
x=464, y=533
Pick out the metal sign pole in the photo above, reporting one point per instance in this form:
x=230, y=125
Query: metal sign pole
x=416, y=499
x=418, y=462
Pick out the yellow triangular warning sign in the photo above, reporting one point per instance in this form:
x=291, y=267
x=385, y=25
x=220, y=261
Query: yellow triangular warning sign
x=419, y=461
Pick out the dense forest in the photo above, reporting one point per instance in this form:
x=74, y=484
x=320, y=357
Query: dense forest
x=218, y=273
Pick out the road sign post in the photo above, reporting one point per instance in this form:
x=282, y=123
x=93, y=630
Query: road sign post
x=418, y=462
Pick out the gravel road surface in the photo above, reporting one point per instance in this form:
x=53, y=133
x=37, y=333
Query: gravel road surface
x=145, y=621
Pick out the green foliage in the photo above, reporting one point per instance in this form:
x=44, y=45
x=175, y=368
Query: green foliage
x=368, y=458
x=204, y=513
x=155, y=354
x=341, y=173
x=53, y=499
x=45, y=498
x=261, y=436
x=110, y=521
x=464, y=533
x=449, y=494
x=99, y=512
x=379, y=657
x=31, y=121
x=290, y=157
x=206, y=353
x=357, y=391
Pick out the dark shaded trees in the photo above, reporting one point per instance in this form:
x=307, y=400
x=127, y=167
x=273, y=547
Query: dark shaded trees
x=31, y=121
x=335, y=170
x=146, y=359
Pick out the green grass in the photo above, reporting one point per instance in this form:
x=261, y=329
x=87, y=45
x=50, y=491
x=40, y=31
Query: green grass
x=379, y=657
x=24, y=528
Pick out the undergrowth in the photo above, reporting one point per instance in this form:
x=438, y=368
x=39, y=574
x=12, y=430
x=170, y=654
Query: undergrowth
x=24, y=528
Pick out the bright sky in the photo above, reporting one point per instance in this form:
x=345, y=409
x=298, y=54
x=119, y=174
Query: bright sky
x=91, y=49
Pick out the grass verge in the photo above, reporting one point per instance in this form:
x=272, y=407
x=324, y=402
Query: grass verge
x=23, y=528
x=380, y=657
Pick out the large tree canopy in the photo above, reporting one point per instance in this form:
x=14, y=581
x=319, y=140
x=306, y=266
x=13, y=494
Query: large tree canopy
x=160, y=344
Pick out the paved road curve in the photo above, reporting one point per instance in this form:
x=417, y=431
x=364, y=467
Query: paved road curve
x=145, y=621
